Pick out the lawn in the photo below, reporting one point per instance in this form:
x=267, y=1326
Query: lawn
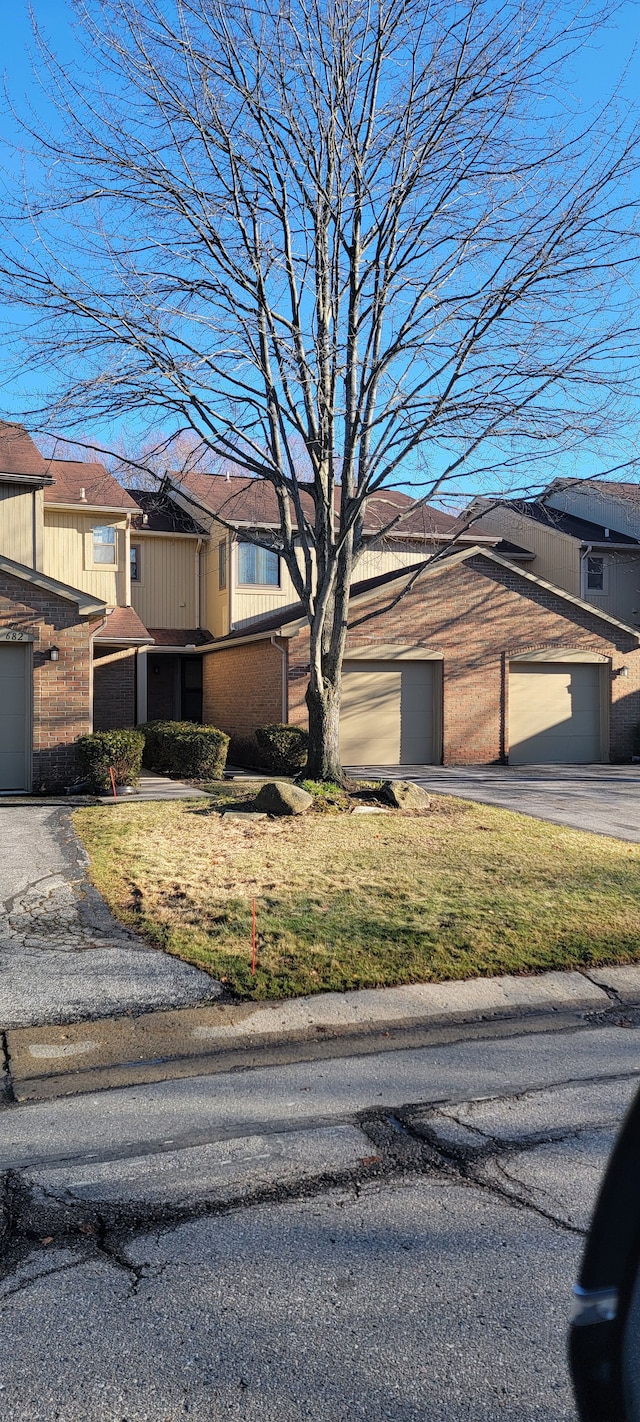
x=354, y=901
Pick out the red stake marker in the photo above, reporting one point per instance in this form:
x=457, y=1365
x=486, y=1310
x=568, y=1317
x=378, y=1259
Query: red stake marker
x=254, y=945
x=113, y=782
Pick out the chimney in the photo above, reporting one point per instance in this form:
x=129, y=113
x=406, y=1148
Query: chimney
x=83, y=495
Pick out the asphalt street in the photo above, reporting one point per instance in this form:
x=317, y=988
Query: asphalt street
x=389, y=1236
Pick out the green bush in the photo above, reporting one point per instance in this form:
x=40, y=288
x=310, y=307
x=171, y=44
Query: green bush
x=183, y=748
x=120, y=749
x=283, y=749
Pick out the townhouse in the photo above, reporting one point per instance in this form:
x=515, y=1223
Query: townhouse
x=118, y=606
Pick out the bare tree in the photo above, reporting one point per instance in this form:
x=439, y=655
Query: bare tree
x=378, y=230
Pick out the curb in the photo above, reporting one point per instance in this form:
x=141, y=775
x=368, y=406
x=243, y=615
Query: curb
x=66, y=1059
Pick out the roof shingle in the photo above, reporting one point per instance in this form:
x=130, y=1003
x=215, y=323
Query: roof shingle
x=72, y=477
x=18, y=453
x=252, y=503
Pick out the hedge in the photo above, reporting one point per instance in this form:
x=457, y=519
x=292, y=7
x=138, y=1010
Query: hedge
x=283, y=748
x=184, y=748
x=121, y=750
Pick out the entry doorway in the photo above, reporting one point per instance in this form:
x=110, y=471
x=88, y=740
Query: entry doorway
x=174, y=687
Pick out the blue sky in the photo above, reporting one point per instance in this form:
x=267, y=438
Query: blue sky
x=596, y=71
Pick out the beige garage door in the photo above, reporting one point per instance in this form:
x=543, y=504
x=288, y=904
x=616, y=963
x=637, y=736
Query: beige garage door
x=14, y=690
x=554, y=712
x=387, y=713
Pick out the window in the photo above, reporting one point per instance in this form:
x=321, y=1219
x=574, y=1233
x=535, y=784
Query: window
x=222, y=563
x=595, y=574
x=104, y=545
x=258, y=566
x=135, y=562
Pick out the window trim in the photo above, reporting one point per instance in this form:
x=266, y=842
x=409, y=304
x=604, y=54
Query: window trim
x=600, y=558
x=222, y=564
x=138, y=547
x=253, y=586
x=111, y=542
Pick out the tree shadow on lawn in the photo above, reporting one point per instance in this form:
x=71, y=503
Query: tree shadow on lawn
x=306, y=947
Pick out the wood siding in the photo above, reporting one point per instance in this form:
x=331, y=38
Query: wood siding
x=621, y=594
x=165, y=595
x=613, y=511
x=557, y=557
x=16, y=523
x=67, y=557
x=216, y=599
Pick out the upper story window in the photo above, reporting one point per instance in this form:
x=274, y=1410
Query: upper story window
x=258, y=567
x=135, y=562
x=595, y=574
x=222, y=563
x=104, y=544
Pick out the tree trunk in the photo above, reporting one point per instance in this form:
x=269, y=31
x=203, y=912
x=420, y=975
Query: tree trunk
x=323, y=701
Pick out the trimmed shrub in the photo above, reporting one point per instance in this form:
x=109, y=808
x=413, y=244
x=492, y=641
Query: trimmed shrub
x=184, y=748
x=120, y=749
x=283, y=749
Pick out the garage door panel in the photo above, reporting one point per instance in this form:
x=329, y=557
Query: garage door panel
x=387, y=713
x=370, y=713
x=554, y=713
x=14, y=690
x=416, y=713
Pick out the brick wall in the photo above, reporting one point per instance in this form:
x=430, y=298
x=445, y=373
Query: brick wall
x=114, y=689
x=62, y=689
x=479, y=615
x=242, y=687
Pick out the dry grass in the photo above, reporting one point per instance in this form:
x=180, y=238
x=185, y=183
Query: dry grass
x=348, y=901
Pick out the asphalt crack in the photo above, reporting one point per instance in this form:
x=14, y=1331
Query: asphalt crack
x=33, y=1218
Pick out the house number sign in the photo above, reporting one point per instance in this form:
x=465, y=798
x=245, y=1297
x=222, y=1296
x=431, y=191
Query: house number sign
x=15, y=634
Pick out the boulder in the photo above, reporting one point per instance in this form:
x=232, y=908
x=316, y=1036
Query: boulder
x=404, y=795
x=278, y=797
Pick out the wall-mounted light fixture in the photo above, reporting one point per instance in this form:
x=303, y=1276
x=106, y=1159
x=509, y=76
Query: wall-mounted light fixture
x=620, y=671
x=54, y=654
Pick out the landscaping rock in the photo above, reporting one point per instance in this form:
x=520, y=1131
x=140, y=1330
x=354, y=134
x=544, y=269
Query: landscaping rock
x=277, y=797
x=405, y=795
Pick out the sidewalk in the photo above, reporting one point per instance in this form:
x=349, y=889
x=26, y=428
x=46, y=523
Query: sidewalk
x=86, y=1056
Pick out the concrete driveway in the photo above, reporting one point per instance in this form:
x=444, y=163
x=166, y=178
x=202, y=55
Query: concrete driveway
x=602, y=798
x=63, y=958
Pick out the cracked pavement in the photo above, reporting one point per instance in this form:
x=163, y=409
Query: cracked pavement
x=390, y=1236
x=62, y=956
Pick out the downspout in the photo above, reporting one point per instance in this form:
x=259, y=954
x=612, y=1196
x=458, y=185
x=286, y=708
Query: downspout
x=231, y=572
x=199, y=546
x=127, y=561
x=284, y=654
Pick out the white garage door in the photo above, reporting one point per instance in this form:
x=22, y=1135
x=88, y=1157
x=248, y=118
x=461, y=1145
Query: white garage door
x=554, y=712
x=14, y=690
x=387, y=713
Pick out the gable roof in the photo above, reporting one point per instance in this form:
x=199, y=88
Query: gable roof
x=251, y=503
x=158, y=513
x=289, y=620
x=123, y=625
x=90, y=484
x=612, y=488
x=583, y=529
x=85, y=602
x=19, y=457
